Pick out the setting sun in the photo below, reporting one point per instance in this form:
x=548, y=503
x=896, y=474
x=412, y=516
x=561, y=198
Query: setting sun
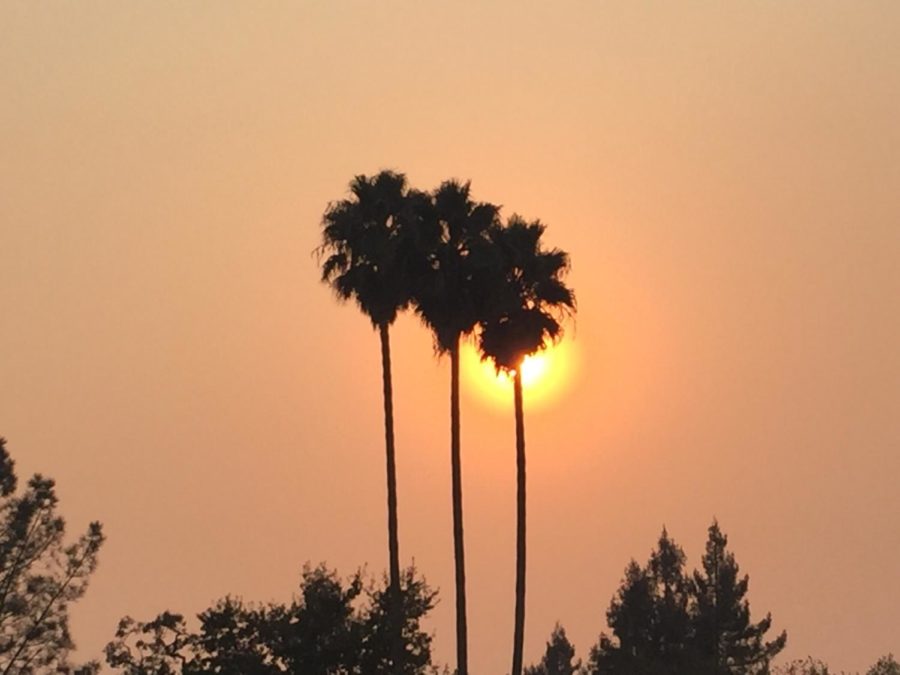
x=545, y=375
x=533, y=369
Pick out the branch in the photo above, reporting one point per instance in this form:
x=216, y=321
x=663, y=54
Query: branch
x=89, y=549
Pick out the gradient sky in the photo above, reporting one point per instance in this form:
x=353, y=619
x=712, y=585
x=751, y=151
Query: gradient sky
x=726, y=177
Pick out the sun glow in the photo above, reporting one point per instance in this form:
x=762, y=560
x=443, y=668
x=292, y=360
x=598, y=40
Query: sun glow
x=545, y=376
x=534, y=367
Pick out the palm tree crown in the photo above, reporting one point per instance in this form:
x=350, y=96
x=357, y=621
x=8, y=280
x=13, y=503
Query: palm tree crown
x=450, y=291
x=368, y=247
x=528, y=299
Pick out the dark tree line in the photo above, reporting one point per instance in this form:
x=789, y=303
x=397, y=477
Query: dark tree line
x=559, y=656
x=332, y=628
x=664, y=621
x=886, y=665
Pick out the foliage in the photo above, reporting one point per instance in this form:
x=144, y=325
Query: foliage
x=524, y=303
x=807, y=666
x=725, y=638
x=664, y=621
x=558, y=658
x=671, y=590
x=371, y=247
x=332, y=628
x=368, y=245
x=416, y=600
x=527, y=298
x=457, y=262
x=649, y=618
x=886, y=665
x=40, y=575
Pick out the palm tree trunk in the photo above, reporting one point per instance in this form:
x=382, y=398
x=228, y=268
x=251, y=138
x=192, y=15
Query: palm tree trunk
x=393, y=543
x=462, y=657
x=519, y=631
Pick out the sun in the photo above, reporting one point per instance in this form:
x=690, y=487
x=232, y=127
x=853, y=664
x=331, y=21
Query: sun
x=545, y=375
x=534, y=368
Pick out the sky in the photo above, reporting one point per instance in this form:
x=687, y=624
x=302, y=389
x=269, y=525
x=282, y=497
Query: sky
x=725, y=176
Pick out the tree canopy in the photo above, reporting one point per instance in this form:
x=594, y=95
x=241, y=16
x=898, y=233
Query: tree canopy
x=40, y=575
x=664, y=621
x=368, y=245
x=559, y=656
x=333, y=627
x=527, y=297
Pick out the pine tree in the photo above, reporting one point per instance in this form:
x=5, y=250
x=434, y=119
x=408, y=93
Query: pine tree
x=628, y=618
x=40, y=575
x=558, y=658
x=727, y=642
x=649, y=618
x=671, y=621
x=665, y=622
x=886, y=665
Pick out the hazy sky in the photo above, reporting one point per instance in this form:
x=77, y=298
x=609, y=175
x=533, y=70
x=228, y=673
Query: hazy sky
x=726, y=177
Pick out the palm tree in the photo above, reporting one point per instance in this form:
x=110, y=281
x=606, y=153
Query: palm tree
x=367, y=248
x=529, y=300
x=450, y=300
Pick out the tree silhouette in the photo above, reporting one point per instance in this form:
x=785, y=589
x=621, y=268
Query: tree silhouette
x=367, y=246
x=671, y=588
x=649, y=618
x=807, y=666
x=726, y=640
x=527, y=299
x=416, y=600
x=40, y=576
x=886, y=665
x=558, y=657
x=449, y=298
x=667, y=623
x=332, y=628
x=629, y=617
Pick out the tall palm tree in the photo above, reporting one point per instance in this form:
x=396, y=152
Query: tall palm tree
x=367, y=247
x=529, y=300
x=450, y=300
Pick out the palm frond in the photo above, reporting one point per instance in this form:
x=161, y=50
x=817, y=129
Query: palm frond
x=363, y=245
x=529, y=299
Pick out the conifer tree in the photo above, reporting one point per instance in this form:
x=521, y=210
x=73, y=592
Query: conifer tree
x=665, y=622
x=725, y=639
x=649, y=618
x=671, y=589
x=40, y=575
x=558, y=658
x=886, y=665
x=628, y=618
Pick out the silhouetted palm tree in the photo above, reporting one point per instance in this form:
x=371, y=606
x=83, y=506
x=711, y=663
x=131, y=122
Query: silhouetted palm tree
x=528, y=301
x=450, y=300
x=367, y=246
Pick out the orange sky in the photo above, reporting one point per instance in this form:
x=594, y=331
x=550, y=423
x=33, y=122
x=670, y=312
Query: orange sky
x=725, y=177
